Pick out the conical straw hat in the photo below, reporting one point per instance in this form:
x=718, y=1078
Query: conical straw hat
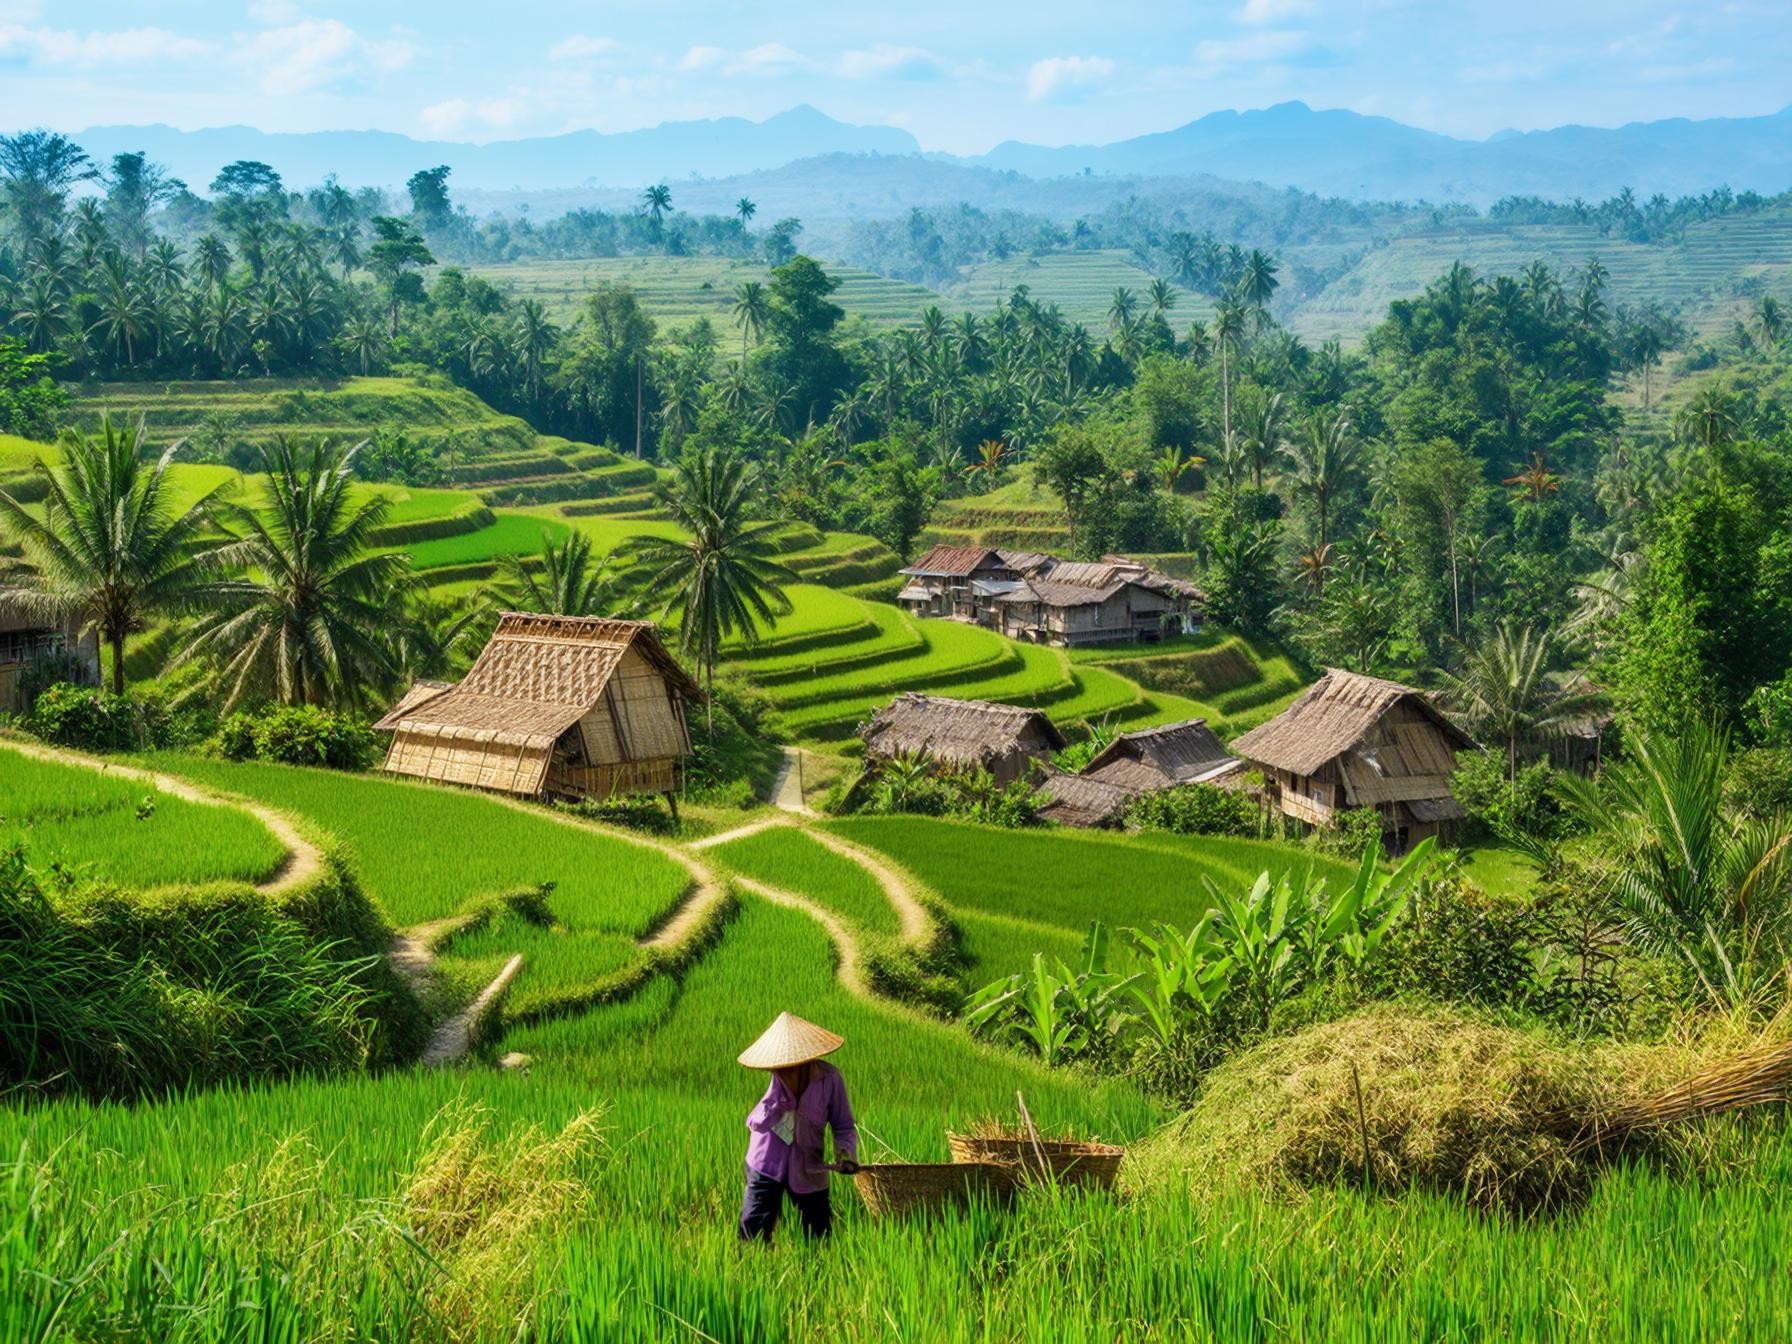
x=788, y=1042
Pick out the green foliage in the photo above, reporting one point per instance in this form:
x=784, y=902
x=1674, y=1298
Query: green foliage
x=914, y=786
x=1195, y=809
x=1521, y=807
x=1351, y=830
x=31, y=404
x=89, y=718
x=299, y=735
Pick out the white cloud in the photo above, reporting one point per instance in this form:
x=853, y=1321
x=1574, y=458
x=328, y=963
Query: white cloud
x=443, y=117
x=135, y=46
x=1056, y=76
x=1272, y=45
x=314, y=53
x=580, y=47
x=273, y=11
x=701, y=58
x=768, y=58
x=1258, y=12
x=884, y=61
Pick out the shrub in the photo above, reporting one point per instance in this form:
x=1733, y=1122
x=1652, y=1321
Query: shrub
x=1759, y=783
x=1194, y=809
x=1356, y=828
x=87, y=717
x=299, y=735
x=1512, y=809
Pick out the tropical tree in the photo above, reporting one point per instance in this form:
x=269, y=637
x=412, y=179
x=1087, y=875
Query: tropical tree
x=430, y=642
x=1503, y=691
x=1258, y=283
x=1263, y=439
x=722, y=577
x=1123, y=308
x=1691, y=879
x=1536, y=481
x=561, y=581
x=1227, y=332
x=752, y=310
x=1770, y=321
x=303, y=623
x=656, y=200
x=1173, y=463
x=111, y=549
x=1323, y=464
x=1709, y=419
x=746, y=210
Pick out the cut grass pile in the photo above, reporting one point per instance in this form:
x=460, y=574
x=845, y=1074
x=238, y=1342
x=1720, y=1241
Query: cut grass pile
x=123, y=831
x=426, y=853
x=785, y=857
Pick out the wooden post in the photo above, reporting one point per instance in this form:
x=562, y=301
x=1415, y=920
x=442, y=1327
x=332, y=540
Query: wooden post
x=672, y=802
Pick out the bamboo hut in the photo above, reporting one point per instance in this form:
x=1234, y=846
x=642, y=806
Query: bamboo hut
x=961, y=734
x=1146, y=761
x=1352, y=741
x=30, y=641
x=555, y=706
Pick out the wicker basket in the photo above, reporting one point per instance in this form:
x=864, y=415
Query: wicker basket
x=1066, y=1162
x=910, y=1187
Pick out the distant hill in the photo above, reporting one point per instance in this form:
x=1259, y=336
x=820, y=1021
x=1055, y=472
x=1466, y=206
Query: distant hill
x=807, y=163
x=667, y=152
x=1339, y=153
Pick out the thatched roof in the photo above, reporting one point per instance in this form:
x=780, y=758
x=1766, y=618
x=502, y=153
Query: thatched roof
x=954, y=562
x=1334, y=715
x=538, y=676
x=1078, y=800
x=967, y=734
x=1162, y=758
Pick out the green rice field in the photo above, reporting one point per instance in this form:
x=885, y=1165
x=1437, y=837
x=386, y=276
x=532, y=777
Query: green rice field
x=1081, y=284
x=426, y=853
x=123, y=830
x=676, y=291
x=785, y=857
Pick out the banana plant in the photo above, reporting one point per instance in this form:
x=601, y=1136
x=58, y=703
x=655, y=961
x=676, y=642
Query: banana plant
x=1183, y=974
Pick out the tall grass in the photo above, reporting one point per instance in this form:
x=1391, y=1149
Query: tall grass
x=784, y=857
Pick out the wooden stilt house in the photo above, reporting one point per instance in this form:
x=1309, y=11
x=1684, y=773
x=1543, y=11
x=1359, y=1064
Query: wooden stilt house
x=555, y=706
x=1352, y=741
x=961, y=734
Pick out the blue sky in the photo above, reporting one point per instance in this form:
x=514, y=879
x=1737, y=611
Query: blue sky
x=960, y=74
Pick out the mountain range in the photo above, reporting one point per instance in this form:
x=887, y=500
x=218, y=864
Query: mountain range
x=1329, y=152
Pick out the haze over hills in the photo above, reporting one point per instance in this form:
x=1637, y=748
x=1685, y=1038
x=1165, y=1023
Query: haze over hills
x=1329, y=152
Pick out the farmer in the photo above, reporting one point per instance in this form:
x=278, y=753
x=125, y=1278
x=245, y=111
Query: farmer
x=786, y=1154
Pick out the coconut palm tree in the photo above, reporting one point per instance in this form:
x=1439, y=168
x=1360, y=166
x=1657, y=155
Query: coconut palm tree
x=746, y=210
x=1709, y=419
x=566, y=582
x=722, y=577
x=1504, y=691
x=1163, y=297
x=1770, y=321
x=111, y=549
x=304, y=623
x=752, y=310
x=1228, y=331
x=431, y=640
x=1323, y=464
x=1173, y=463
x=1123, y=308
x=1257, y=283
x=535, y=338
x=657, y=199
x=1263, y=438
x=1535, y=482
x=1691, y=879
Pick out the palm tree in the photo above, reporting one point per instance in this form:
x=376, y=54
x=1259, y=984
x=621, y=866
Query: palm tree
x=1173, y=463
x=992, y=456
x=1228, y=330
x=110, y=549
x=304, y=623
x=567, y=582
x=752, y=310
x=1123, y=308
x=746, y=210
x=1323, y=464
x=657, y=199
x=1709, y=419
x=535, y=340
x=1770, y=321
x=722, y=577
x=1263, y=441
x=1258, y=283
x=1163, y=297
x=431, y=640
x=1691, y=879
x=1504, y=690
x=1536, y=481
x=1313, y=565
x=363, y=340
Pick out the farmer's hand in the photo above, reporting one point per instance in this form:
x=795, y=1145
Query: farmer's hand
x=847, y=1166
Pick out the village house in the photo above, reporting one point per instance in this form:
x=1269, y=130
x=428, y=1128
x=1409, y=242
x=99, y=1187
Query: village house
x=1044, y=600
x=961, y=735
x=1352, y=741
x=1146, y=761
x=28, y=641
x=555, y=706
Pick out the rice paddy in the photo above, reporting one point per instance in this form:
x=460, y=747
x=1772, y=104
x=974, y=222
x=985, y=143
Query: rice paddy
x=124, y=831
x=1081, y=284
x=427, y=853
x=785, y=857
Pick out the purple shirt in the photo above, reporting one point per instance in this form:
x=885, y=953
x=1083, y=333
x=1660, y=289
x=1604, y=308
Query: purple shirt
x=802, y=1163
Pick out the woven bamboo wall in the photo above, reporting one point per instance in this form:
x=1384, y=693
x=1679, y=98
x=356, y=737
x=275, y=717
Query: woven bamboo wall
x=636, y=719
x=611, y=781
x=479, y=760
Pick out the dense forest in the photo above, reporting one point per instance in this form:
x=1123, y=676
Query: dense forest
x=1463, y=489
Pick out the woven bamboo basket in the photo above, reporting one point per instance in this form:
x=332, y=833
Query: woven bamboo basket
x=890, y=1188
x=1066, y=1161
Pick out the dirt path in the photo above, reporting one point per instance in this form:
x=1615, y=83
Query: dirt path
x=454, y=1036
x=787, y=789
x=303, y=860
x=917, y=924
x=850, y=969
x=739, y=832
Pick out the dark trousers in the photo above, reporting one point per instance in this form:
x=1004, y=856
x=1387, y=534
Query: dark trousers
x=763, y=1202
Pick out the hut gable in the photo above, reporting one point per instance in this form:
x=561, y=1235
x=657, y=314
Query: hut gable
x=955, y=562
x=961, y=734
x=1162, y=758
x=574, y=705
x=1080, y=800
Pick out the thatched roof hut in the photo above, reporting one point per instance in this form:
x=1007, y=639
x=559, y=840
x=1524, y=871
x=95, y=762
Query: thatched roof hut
x=1354, y=741
x=961, y=734
x=1135, y=763
x=555, y=705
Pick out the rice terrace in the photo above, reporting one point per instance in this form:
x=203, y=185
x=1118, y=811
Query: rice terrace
x=1069, y=701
